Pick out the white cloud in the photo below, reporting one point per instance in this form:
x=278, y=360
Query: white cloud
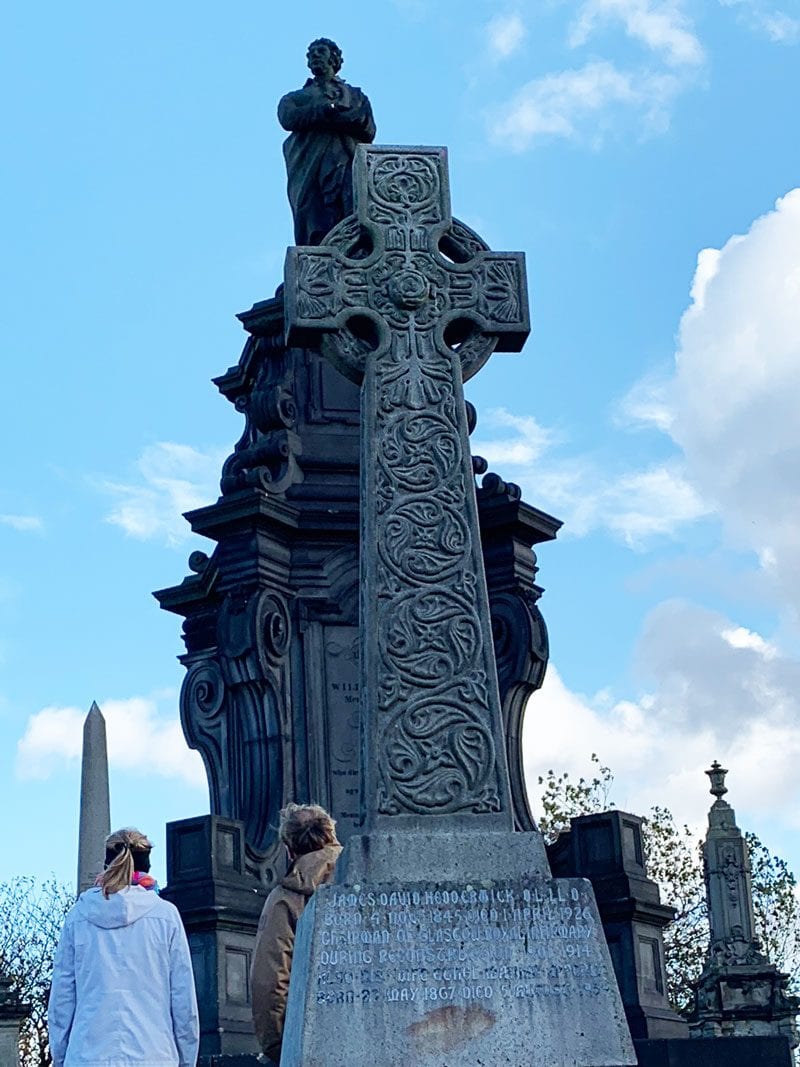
x=715, y=691
x=172, y=478
x=580, y=104
x=634, y=505
x=142, y=737
x=504, y=35
x=741, y=637
x=734, y=393
x=769, y=21
x=646, y=405
x=529, y=442
x=662, y=27
x=648, y=503
x=23, y=523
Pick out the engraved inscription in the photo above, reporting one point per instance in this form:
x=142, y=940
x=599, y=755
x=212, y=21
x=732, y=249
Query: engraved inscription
x=342, y=722
x=459, y=946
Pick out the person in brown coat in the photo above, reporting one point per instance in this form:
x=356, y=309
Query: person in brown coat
x=309, y=835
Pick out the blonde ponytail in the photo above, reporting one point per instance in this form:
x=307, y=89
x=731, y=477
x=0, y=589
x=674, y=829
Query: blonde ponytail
x=119, y=869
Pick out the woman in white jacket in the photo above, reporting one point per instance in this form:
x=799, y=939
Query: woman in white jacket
x=123, y=986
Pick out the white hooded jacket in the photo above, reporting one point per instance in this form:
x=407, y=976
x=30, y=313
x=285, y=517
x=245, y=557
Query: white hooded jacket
x=123, y=986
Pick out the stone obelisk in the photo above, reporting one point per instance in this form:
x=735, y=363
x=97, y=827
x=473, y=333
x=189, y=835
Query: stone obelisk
x=95, y=818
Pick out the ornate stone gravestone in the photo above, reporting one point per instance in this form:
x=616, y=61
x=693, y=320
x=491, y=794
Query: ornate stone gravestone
x=444, y=938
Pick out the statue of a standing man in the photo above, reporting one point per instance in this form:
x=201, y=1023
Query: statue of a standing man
x=326, y=119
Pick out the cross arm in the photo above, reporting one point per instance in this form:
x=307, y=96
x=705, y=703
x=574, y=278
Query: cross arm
x=492, y=291
x=313, y=294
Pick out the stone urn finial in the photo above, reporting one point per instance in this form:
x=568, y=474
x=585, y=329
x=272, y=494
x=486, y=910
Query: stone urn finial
x=717, y=775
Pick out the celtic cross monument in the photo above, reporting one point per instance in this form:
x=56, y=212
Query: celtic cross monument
x=444, y=939
x=421, y=324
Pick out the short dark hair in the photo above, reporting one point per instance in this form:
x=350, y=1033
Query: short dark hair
x=333, y=48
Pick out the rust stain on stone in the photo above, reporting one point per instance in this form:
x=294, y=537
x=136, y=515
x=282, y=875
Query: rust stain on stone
x=444, y=1029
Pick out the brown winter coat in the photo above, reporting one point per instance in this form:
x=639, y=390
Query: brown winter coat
x=272, y=959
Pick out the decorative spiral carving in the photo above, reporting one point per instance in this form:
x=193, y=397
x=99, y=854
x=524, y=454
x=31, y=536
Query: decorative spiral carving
x=198, y=561
x=430, y=638
x=419, y=450
x=203, y=693
x=266, y=454
x=274, y=627
x=440, y=760
x=406, y=181
x=424, y=539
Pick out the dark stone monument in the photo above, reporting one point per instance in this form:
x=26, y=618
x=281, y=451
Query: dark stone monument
x=383, y=677
x=271, y=694
x=607, y=849
x=220, y=904
x=327, y=119
x=13, y=1013
x=444, y=934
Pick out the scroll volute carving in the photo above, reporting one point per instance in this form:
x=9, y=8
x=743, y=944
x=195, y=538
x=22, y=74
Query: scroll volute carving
x=253, y=638
x=266, y=454
x=202, y=707
x=522, y=651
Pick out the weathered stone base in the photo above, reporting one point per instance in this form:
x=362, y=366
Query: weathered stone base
x=716, y=1052
x=707, y=1052
x=455, y=855
x=9, y=1043
x=511, y=971
x=220, y=905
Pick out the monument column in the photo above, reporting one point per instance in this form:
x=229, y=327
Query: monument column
x=740, y=993
x=95, y=808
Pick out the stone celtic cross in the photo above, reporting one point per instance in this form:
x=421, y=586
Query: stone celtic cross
x=410, y=303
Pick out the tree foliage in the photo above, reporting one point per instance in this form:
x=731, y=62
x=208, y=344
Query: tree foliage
x=563, y=799
x=675, y=862
x=31, y=916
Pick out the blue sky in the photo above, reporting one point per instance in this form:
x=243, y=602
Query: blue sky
x=643, y=154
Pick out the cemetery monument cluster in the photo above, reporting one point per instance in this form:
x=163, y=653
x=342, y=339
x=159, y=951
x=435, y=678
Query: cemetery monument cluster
x=366, y=634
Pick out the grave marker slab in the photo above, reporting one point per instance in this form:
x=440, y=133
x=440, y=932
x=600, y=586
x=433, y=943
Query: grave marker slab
x=435, y=973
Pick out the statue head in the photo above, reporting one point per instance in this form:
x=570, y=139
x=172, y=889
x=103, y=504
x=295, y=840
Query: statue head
x=324, y=57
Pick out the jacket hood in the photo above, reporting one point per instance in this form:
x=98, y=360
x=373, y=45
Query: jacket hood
x=120, y=909
x=311, y=870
